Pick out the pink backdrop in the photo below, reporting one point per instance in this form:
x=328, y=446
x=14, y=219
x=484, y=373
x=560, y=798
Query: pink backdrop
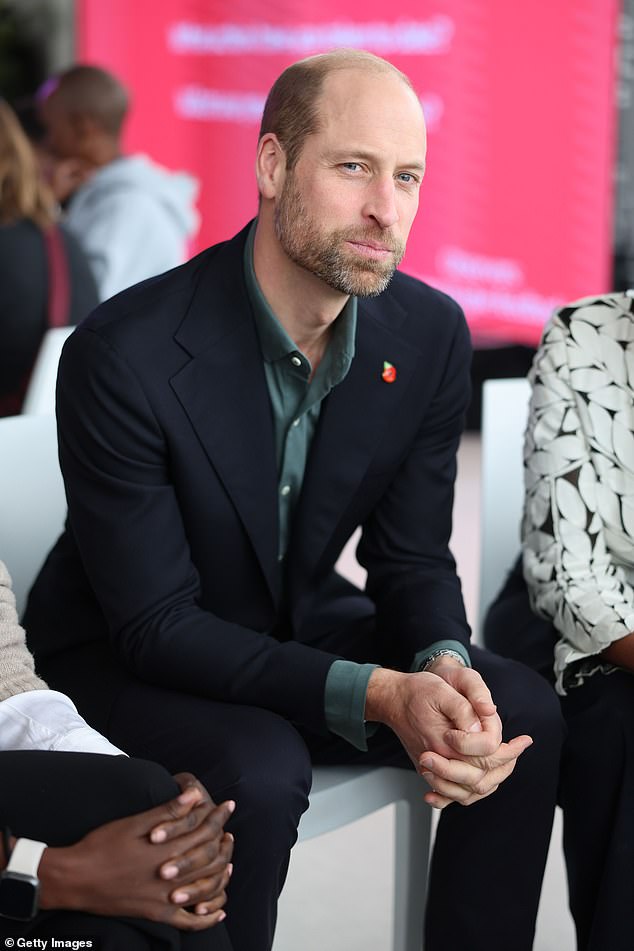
x=515, y=213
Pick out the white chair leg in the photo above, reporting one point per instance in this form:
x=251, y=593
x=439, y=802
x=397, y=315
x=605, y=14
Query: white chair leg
x=411, y=860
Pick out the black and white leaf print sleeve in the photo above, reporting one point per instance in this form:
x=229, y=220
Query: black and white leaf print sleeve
x=578, y=526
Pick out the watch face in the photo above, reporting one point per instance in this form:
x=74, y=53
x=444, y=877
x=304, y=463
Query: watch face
x=18, y=895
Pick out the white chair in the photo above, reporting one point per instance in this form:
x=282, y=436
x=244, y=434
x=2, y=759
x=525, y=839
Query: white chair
x=32, y=500
x=342, y=794
x=504, y=415
x=504, y=418
x=32, y=511
x=39, y=399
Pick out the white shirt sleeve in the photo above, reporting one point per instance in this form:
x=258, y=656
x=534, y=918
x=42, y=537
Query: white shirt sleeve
x=48, y=720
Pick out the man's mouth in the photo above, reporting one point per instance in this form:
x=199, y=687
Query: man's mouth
x=371, y=249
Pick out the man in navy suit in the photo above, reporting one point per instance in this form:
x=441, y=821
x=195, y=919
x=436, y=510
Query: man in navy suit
x=223, y=430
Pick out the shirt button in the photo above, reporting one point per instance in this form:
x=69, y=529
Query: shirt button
x=296, y=422
x=285, y=490
x=296, y=361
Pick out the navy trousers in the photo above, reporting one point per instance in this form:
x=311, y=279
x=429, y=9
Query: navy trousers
x=596, y=789
x=488, y=860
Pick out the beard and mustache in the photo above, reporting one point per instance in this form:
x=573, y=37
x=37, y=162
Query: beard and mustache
x=324, y=253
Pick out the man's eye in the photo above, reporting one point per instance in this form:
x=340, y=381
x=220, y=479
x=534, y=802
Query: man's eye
x=351, y=166
x=406, y=177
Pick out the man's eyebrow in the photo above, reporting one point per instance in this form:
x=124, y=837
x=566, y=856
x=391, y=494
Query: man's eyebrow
x=352, y=153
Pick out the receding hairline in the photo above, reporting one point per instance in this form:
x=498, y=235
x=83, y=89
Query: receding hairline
x=368, y=65
x=345, y=58
x=293, y=108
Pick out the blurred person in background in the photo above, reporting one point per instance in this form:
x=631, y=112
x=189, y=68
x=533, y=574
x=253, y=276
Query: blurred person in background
x=133, y=217
x=63, y=176
x=45, y=279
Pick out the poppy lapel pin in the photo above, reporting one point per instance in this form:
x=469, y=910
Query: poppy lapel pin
x=389, y=372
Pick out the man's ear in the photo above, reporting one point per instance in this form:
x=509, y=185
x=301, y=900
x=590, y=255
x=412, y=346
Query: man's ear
x=270, y=166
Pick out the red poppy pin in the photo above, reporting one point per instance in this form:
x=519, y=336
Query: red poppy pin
x=389, y=372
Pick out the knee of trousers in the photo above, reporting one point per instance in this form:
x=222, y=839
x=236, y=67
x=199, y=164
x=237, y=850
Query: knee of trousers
x=270, y=786
x=72, y=793
x=529, y=704
x=142, y=784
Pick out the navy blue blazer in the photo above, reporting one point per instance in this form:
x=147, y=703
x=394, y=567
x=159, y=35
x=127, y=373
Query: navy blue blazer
x=169, y=557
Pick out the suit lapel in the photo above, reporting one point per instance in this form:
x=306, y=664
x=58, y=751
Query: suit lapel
x=354, y=419
x=223, y=391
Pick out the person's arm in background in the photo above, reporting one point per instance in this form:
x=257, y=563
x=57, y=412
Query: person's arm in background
x=169, y=864
x=576, y=491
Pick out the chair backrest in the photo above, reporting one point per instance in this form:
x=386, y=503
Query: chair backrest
x=32, y=500
x=504, y=415
x=39, y=399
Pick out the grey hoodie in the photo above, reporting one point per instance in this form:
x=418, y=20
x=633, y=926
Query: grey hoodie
x=133, y=219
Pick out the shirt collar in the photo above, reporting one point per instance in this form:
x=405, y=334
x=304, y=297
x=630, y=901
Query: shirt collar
x=276, y=343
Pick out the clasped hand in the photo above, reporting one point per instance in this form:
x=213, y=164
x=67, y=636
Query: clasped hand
x=169, y=864
x=469, y=760
x=447, y=722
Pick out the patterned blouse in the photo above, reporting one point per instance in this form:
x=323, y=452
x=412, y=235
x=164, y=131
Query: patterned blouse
x=578, y=526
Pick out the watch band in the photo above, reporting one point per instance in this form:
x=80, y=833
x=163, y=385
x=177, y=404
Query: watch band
x=442, y=652
x=26, y=856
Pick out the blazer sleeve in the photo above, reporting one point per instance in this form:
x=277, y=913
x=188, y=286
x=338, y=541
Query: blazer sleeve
x=577, y=489
x=126, y=518
x=405, y=540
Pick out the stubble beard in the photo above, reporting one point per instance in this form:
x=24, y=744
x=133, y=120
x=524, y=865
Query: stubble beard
x=323, y=253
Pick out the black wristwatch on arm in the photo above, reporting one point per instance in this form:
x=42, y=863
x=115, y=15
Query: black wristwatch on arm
x=19, y=884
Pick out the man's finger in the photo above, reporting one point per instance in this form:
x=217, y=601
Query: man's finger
x=458, y=772
x=484, y=743
x=470, y=684
x=211, y=854
x=472, y=744
x=192, y=790
x=473, y=748
x=191, y=819
x=457, y=709
x=203, y=889
x=188, y=921
x=209, y=907
x=455, y=792
x=436, y=801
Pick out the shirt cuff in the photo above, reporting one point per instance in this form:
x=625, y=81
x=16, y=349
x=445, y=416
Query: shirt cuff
x=447, y=645
x=346, y=689
x=48, y=720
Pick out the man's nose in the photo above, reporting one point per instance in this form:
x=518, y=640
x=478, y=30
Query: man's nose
x=381, y=202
